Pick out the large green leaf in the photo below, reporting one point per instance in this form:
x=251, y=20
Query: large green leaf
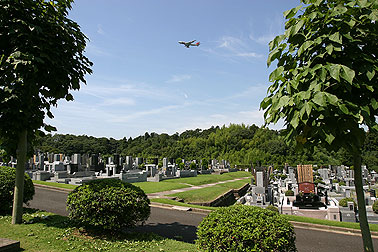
x=336, y=37
x=291, y=13
x=334, y=70
x=320, y=99
x=332, y=99
x=370, y=74
x=347, y=74
x=304, y=47
x=329, y=138
x=276, y=73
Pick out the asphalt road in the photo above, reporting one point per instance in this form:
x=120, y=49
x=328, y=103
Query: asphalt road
x=182, y=225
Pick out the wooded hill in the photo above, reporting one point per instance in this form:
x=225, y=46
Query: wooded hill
x=239, y=144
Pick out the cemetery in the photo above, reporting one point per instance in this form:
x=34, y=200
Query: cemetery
x=77, y=169
x=294, y=192
x=305, y=190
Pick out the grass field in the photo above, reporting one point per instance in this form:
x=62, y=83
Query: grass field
x=48, y=232
x=209, y=193
x=152, y=187
x=167, y=185
x=210, y=178
x=373, y=227
x=54, y=184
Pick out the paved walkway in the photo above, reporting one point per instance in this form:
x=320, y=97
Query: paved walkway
x=165, y=193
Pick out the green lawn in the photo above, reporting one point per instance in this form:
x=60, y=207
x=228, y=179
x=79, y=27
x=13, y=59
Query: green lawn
x=167, y=185
x=54, y=184
x=210, y=178
x=54, y=234
x=152, y=187
x=373, y=227
x=209, y=193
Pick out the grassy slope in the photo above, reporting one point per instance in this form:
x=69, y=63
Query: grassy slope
x=152, y=187
x=209, y=193
x=54, y=184
x=54, y=234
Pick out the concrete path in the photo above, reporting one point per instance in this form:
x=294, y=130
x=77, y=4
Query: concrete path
x=165, y=193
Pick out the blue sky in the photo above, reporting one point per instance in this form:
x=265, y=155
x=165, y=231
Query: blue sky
x=144, y=81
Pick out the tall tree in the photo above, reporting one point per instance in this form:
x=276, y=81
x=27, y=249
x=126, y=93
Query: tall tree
x=325, y=86
x=41, y=60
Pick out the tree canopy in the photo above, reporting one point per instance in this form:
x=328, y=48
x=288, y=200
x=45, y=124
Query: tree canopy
x=41, y=60
x=251, y=144
x=325, y=85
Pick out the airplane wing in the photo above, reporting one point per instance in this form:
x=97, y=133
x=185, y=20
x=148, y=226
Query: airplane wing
x=191, y=41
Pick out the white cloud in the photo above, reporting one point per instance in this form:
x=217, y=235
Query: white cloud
x=100, y=30
x=179, y=78
x=139, y=114
x=96, y=51
x=263, y=39
x=119, y=101
x=233, y=48
x=250, y=55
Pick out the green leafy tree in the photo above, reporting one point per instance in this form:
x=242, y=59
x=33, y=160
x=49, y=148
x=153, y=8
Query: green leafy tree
x=205, y=164
x=325, y=86
x=41, y=59
x=192, y=166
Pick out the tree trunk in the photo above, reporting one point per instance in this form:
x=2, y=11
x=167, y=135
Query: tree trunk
x=20, y=174
x=365, y=231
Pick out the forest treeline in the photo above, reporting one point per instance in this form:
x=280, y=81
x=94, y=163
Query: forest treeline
x=239, y=144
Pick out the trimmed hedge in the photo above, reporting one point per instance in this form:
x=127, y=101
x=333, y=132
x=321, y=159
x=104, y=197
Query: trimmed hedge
x=289, y=193
x=7, y=182
x=245, y=228
x=108, y=204
x=344, y=202
x=375, y=207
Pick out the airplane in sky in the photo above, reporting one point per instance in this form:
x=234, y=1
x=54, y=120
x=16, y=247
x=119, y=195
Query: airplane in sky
x=190, y=43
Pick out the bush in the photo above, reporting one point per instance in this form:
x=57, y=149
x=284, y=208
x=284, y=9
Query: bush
x=289, y=193
x=7, y=182
x=375, y=207
x=245, y=228
x=272, y=208
x=344, y=202
x=108, y=204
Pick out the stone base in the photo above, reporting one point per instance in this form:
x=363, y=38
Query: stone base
x=7, y=245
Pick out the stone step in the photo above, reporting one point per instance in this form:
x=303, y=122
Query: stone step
x=7, y=245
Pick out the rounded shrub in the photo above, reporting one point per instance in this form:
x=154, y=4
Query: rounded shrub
x=108, y=204
x=375, y=207
x=344, y=202
x=289, y=193
x=245, y=228
x=7, y=182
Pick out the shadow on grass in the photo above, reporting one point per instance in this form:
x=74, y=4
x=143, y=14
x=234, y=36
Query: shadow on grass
x=174, y=230
x=140, y=233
